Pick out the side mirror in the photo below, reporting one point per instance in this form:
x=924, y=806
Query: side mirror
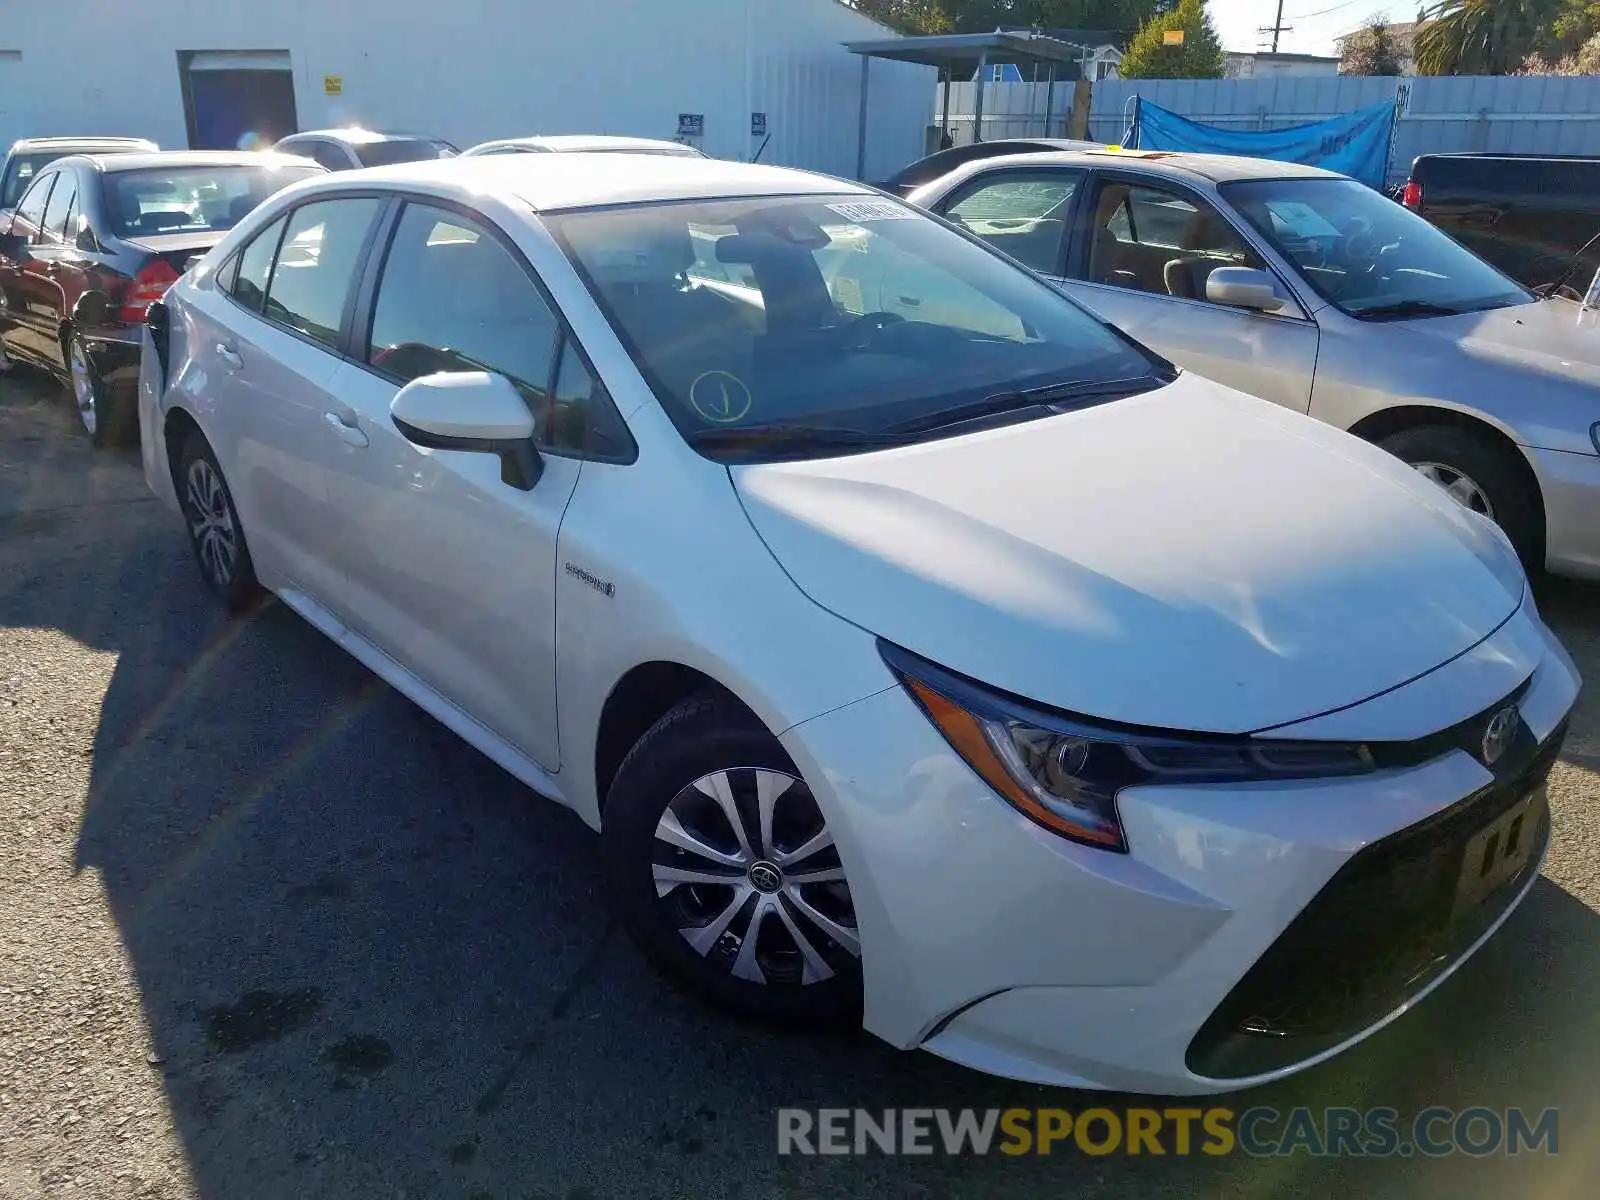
x=1244, y=287
x=473, y=411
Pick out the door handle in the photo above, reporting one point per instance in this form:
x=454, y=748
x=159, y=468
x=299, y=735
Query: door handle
x=229, y=355
x=350, y=435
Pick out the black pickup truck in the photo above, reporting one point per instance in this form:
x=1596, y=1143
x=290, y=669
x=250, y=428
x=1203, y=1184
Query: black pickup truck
x=1529, y=215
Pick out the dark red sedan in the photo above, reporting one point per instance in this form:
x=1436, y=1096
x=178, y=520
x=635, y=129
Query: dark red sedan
x=96, y=239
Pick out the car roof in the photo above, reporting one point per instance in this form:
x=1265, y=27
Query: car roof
x=361, y=137
x=23, y=145
x=116, y=163
x=590, y=142
x=1215, y=168
x=546, y=182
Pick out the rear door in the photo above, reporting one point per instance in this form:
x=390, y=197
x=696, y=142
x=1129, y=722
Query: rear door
x=1140, y=256
x=1023, y=211
x=60, y=269
x=268, y=341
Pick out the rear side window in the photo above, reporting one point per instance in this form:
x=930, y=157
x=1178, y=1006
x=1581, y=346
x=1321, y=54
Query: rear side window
x=1025, y=215
x=249, y=283
x=316, y=266
x=61, y=204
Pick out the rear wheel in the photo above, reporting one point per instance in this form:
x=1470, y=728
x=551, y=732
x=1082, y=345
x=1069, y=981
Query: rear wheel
x=214, y=530
x=725, y=872
x=88, y=392
x=1479, y=475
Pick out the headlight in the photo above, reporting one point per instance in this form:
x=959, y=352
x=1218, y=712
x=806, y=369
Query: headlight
x=1064, y=772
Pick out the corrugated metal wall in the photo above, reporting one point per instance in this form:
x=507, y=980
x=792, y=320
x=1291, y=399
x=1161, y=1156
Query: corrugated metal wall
x=1522, y=115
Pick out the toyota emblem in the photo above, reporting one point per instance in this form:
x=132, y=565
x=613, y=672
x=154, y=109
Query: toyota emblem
x=766, y=877
x=1497, y=734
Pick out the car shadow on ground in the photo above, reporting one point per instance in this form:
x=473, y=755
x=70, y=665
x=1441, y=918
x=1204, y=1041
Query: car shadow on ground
x=372, y=964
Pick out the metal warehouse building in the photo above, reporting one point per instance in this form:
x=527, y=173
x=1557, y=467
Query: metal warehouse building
x=727, y=75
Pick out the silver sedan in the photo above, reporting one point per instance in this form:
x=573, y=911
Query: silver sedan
x=1311, y=290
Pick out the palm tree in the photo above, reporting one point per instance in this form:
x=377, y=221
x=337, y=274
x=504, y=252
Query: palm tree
x=1483, y=37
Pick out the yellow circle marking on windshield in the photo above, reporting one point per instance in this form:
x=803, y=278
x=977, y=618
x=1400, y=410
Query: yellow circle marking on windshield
x=720, y=397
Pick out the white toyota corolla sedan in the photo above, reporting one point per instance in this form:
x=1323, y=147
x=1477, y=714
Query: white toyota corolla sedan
x=927, y=652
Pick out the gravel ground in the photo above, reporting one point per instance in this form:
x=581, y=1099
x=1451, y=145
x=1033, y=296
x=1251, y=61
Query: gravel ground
x=267, y=930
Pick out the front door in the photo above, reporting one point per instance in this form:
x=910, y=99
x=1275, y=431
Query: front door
x=451, y=571
x=1140, y=257
x=29, y=289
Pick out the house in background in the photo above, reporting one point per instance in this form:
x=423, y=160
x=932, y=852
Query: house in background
x=1402, y=34
x=1102, y=55
x=1263, y=64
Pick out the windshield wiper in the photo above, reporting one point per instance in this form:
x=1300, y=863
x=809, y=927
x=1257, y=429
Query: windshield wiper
x=1026, y=398
x=790, y=435
x=1408, y=308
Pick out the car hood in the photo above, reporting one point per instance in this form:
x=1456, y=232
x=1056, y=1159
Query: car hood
x=1190, y=558
x=1543, y=336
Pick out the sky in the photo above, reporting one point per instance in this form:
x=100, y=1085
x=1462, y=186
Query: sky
x=1316, y=22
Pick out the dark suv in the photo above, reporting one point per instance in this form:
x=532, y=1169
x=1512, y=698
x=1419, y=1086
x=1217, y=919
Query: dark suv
x=29, y=156
x=1536, y=218
x=95, y=239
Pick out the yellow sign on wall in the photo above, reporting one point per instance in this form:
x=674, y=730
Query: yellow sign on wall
x=333, y=85
x=1172, y=37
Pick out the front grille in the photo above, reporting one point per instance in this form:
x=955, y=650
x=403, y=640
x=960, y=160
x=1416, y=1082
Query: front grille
x=1378, y=932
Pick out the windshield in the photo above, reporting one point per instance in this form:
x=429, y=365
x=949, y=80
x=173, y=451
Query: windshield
x=843, y=314
x=191, y=199
x=1367, y=254
x=20, y=171
x=402, y=150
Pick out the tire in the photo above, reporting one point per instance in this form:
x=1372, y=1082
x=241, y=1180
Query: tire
x=87, y=391
x=215, y=534
x=1471, y=466
x=731, y=943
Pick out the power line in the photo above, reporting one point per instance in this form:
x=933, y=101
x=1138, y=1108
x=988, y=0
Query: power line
x=1322, y=12
x=1276, y=28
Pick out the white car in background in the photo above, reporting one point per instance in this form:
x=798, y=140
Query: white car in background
x=581, y=143
x=970, y=672
x=1314, y=291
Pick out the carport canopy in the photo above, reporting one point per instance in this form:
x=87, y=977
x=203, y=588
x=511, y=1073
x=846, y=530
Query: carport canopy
x=952, y=52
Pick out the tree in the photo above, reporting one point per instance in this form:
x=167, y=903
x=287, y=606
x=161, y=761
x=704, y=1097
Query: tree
x=1585, y=60
x=1198, y=57
x=907, y=16
x=1371, y=50
x=1485, y=37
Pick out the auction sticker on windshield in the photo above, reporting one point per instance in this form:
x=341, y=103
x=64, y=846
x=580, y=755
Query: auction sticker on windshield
x=1301, y=220
x=872, y=210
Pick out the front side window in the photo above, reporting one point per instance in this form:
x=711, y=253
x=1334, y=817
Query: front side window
x=402, y=150
x=22, y=170
x=1366, y=254
x=452, y=298
x=61, y=203
x=248, y=284
x=1024, y=214
x=1149, y=239
x=33, y=203
x=863, y=316
x=149, y=201
x=316, y=266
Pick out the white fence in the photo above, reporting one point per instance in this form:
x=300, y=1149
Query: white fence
x=1532, y=115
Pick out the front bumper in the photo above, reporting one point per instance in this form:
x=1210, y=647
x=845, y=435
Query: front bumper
x=1570, y=484
x=998, y=945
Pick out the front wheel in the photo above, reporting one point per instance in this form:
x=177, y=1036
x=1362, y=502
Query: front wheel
x=724, y=870
x=1479, y=475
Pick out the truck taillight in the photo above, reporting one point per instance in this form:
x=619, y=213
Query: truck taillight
x=148, y=286
x=1411, y=195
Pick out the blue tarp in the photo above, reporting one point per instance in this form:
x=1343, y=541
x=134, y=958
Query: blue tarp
x=1356, y=145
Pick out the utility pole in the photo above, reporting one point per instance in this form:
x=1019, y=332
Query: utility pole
x=1277, y=27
